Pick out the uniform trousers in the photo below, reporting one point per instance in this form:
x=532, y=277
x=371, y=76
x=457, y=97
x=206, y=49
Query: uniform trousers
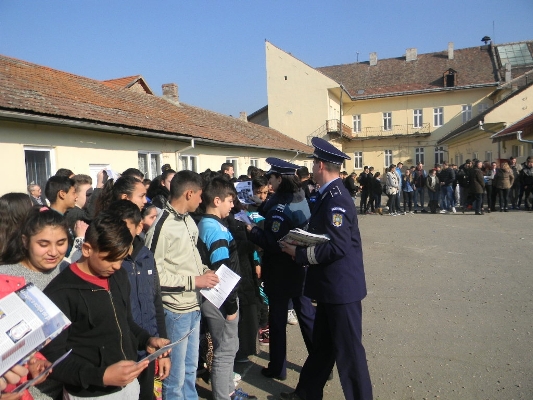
x=337, y=337
x=278, y=307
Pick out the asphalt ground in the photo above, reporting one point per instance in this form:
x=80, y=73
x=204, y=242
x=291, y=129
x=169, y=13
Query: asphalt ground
x=449, y=311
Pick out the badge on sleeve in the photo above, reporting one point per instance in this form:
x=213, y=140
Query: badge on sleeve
x=275, y=226
x=337, y=220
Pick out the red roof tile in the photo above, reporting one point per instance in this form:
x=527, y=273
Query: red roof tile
x=31, y=88
x=525, y=124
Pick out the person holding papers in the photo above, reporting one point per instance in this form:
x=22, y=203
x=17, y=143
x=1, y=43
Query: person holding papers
x=218, y=247
x=336, y=280
x=94, y=294
x=287, y=209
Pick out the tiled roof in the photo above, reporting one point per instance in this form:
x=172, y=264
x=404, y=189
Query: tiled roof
x=525, y=123
x=395, y=76
x=34, y=89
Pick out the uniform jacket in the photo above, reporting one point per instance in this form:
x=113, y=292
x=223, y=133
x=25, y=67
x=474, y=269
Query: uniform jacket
x=102, y=332
x=145, y=293
x=172, y=238
x=282, y=213
x=336, y=272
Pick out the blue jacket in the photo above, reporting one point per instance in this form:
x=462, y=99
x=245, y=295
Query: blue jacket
x=282, y=213
x=336, y=273
x=145, y=294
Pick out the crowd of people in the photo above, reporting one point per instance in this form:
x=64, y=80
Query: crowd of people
x=126, y=260
x=475, y=186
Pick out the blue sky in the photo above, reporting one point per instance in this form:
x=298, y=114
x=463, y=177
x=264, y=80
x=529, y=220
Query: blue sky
x=215, y=51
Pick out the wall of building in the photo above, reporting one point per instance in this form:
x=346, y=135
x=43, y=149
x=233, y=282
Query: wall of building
x=298, y=100
x=79, y=149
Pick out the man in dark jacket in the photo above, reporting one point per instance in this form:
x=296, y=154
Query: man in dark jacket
x=526, y=179
x=364, y=189
x=446, y=178
x=477, y=185
x=351, y=186
x=419, y=180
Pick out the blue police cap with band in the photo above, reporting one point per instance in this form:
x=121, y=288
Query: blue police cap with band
x=327, y=152
x=281, y=167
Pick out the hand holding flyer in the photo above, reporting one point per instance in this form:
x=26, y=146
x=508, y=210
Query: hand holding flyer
x=227, y=281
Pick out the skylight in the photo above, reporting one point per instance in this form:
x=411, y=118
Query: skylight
x=516, y=54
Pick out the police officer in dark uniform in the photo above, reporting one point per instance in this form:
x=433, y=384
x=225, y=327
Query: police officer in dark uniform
x=336, y=279
x=287, y=209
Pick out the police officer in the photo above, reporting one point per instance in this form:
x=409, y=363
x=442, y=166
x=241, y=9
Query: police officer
x=287, y=209
x=336, y=279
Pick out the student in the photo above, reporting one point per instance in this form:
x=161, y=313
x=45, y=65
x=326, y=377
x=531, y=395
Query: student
x=172, y=239
x=145, y=294
x=159, y=190
x=94, y=294
x=218, y=247
x=82, y=188
x=61, y=193
x=124, y=188
x=14, y=208
x=149, y=214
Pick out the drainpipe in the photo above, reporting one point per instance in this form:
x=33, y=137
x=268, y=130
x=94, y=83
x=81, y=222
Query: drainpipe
x=178, y=153
x=296, y=155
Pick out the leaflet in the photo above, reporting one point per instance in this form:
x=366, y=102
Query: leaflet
x=227, y=281
x=28, y=319
x=299, y=237
x=31, y=382
x=244, y=192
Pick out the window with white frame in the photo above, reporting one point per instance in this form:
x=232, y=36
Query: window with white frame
x=254, y=162
x=517, y=151
x=488, y=156
x=419, y=155
x=387, y=121
x=438, y=116
x=388, y=157
x=466, y=112
x=358, y=160
x=439, y=155
x=357, y=123
x=481, y=107
x=189, y=163
x=234, y=162
x=417, y=118
x=39, y=165
x=149, y=164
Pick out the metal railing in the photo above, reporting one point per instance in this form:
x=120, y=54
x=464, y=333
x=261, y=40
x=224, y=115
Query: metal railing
x=380, y=131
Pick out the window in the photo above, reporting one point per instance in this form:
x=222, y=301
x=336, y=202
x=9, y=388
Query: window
x=419, y=155
x=150, y=164
x=387, y=121
x=438, y=116
x=459, y=159
x=417, y=119
x=488, y=156
x=38, y=165
x=254, y=162
x=388, y=158
x=475, y=156
x=481, y=107
x=358, y=160
x=233, y=161
x=467, y=112
x=357, y=123
x=439, y=155
x=189, y=163
x=517, y=151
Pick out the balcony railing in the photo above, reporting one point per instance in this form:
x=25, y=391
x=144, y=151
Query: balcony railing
x=335, y=126
x=396, y=130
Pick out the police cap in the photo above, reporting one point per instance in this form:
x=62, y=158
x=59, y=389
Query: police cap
x=327, y=152
x=281, y=167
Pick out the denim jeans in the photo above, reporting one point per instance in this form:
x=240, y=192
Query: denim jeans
x=225, y=345
x=446, y=200
x=419, y=197
x=180, y=384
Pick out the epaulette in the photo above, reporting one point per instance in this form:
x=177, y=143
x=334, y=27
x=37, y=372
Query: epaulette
x=281, y=207
x=335, y=191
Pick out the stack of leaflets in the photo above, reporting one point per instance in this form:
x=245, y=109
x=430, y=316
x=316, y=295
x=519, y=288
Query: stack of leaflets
x=28, y=319
x=299, y=237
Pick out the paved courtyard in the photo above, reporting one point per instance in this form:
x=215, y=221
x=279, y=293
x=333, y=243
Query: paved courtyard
x=449, y=311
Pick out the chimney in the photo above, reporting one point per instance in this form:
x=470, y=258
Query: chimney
x=170, y=93
x=374, y=58
x=508, y=72
x=410, y=54
x=243, y=116
x=450, y=50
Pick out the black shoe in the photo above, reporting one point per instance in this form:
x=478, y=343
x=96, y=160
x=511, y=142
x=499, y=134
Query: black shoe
x=269, y=374
x=478, y=213
x=290, y=396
